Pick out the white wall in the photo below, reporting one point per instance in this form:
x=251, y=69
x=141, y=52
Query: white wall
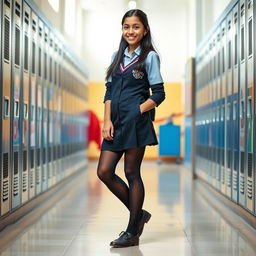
x=101, y=36
x=176, y=25
x=168, y=21
x=169, y=25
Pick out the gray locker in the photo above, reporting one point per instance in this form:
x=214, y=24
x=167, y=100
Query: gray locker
x=25, y=98
x=242, y=110
x=209, y=109
x=228, y=107
x=39, y=84
x=222, y=105
x=55, y=109
x=217, y=109
x=49, y=89
x=6, y=103
x=250, y=190
x=1, y=107
x=32, y=106
x=214, y=109
x=44, y=122
x=60, y=119
x=235, y=104
x=15, y=103
x=39, y=75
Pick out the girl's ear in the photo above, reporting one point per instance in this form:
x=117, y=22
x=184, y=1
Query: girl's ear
x=146, y=31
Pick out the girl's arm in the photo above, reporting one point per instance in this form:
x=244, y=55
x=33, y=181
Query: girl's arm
x=108, y=128
x=157, y=97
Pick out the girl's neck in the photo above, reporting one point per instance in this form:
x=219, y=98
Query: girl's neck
x=132, y=48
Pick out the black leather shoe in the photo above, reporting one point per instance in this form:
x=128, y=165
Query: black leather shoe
x=144, y=219
x=125, y=239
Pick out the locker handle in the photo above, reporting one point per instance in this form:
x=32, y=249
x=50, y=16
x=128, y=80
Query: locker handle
x=16, y=108
x=249, y=108
x=6, y=107
x=25, y=111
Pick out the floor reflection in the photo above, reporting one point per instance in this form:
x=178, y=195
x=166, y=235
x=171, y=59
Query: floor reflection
x=88, y=216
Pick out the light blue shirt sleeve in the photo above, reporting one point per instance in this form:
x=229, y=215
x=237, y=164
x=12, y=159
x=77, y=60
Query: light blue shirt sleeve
x=153, y=68
x=112, y=58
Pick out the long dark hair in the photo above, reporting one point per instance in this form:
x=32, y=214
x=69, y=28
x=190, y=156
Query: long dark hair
x=146, y=43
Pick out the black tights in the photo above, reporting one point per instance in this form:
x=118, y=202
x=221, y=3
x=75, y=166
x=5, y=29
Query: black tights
x=133, y=196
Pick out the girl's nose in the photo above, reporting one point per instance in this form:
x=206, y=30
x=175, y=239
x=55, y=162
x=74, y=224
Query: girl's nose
x=130, y=30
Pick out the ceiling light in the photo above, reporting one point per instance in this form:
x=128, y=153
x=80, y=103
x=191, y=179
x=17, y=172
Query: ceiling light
x=132, y=4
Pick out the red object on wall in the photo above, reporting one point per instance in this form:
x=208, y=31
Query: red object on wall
x=94, y=130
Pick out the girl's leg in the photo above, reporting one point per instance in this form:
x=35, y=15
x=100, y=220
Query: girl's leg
x=106, y=172
x=132, y=163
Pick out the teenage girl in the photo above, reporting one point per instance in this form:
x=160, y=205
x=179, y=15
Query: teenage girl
x=128, y=127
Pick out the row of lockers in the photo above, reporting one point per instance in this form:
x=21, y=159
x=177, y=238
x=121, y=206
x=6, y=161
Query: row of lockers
x=43, y=100
x=225, y=105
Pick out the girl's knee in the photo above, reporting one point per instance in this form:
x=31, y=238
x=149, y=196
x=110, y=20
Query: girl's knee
x=131, y=175
x=103, y=173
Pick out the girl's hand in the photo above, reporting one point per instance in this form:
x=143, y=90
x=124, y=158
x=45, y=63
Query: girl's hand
x=108, y=130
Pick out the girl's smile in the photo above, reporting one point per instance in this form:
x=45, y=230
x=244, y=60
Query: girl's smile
x=133, y=32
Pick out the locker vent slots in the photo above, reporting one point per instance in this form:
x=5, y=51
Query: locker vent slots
x=17, y=9
x=5, y=165
x=6, y=39
x=7, y=2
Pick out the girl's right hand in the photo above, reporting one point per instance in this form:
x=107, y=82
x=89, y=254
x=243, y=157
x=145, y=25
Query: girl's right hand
x=108, y=130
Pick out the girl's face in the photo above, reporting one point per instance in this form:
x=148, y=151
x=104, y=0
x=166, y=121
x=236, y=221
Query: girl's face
x=133, y=31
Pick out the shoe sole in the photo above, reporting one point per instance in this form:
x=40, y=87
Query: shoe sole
x=120, y=246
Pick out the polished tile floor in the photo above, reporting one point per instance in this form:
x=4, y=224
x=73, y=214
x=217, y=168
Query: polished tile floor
x=88, y=217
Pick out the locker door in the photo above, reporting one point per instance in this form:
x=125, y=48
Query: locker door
x=25, y=98
x=205, y=115
x=15, y=103
x=222, y=106
x=250, y=106
x=55, y=109
x=47, y=170
x=209, y=112
x=6, y=103
x=217, y=109
x=1, y=107
x=214, y=117
x=214, y=121
x=205, y=126
x=242, y=117
x=50, y=103
x=59, y=112
x=235, y=105
x=35, y=66
x=254, y=115
x=229, y=89
x=41, y=69
x=62, y=86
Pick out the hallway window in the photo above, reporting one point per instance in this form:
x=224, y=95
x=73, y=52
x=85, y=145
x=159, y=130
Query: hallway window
x=70, y=17
x=54, y=4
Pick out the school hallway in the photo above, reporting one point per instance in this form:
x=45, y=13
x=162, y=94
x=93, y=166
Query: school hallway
x=84, y=216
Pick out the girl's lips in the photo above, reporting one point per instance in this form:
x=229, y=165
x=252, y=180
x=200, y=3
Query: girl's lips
x=130, y=37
